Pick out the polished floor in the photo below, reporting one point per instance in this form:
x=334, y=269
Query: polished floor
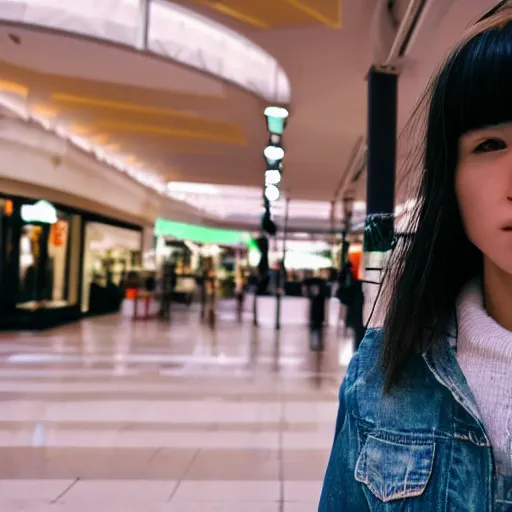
x=148, y=416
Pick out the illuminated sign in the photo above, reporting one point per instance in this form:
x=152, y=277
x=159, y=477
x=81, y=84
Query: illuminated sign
x=8, y=208
x=200, y=234
x=42, y=211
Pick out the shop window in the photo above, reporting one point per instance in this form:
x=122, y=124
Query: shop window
x=112, y=257
x=48, y=262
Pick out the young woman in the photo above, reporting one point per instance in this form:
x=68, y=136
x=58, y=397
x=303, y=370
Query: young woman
x=425, y=417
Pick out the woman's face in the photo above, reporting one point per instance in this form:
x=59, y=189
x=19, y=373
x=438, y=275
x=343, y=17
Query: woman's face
x=484, y=191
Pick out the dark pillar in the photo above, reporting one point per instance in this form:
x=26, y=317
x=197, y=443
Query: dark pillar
x=382, y=131
x=10, y=270
x=380, y=192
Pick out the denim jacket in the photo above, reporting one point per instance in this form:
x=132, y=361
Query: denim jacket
x=421, y=447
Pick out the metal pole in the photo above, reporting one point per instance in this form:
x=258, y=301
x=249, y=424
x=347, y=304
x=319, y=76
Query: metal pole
x=280, y=276
x=333, y=233
x=143, y=26
x=333, y=221
x=347, y=219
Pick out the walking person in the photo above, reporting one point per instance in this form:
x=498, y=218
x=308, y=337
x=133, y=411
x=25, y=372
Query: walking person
x=239, y=294
x=425, y=414
x=316, y=290
x=168, y=285
x=345, y=294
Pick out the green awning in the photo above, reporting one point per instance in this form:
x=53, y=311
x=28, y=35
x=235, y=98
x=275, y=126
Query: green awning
x=201, y=234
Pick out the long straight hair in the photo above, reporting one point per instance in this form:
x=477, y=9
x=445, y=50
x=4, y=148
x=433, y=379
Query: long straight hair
x=473, y=89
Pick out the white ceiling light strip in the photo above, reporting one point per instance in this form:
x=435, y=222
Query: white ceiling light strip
x=144, y=176
x=240, y=203
x=173, y=32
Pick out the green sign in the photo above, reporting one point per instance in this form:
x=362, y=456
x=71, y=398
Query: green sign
x=201, y=234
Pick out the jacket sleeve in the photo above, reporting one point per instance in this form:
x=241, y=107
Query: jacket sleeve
x=341, y=492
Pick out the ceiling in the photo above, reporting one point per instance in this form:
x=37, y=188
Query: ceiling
x=182, y=123
x=191, y=126
x=269, y=14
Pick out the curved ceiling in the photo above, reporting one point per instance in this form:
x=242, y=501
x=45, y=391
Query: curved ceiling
x=155, y=115
x=172, y=32
x=191, y=127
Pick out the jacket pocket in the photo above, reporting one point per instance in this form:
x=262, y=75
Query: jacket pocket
x=393, y=470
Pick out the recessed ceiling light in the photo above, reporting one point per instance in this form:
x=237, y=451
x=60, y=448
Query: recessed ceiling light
x=278, y=112
x=272, y=193
x=274, y=153
x=272, y=177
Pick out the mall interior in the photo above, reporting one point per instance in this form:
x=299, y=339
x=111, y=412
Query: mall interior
x=181, y=185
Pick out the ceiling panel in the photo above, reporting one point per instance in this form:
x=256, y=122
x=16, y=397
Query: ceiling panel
x=326, y=11
x=267, y=14
x=70, y=57
x=166, y=131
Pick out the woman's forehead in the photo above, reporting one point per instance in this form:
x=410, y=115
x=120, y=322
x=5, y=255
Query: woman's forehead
x=476, y=83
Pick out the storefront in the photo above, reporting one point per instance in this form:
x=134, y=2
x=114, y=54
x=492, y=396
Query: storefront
x=112, y=258
x=51, y=265
x=192, y=248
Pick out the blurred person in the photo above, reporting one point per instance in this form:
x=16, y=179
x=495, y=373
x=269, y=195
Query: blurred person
x=239, y=293
x=201, y=286
x=207, y=288
x=345, y=293
x=168, y=285
x=425, y=415
x=345, y=281
x=211, y=297
x=316, y=291
x=351, y=295
x=281, y=277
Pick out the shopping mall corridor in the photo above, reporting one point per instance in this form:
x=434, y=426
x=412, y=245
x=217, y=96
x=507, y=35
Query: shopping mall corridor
x=122, y=416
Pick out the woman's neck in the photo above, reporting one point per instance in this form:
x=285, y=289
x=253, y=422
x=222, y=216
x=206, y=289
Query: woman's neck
x=498, y=294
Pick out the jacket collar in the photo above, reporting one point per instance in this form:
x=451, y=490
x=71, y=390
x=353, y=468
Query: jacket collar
x=441, y=358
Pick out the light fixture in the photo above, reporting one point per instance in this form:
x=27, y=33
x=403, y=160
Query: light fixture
x=272, y=177
x=271, y=193
x=276, y=119
x=42, y=211
x=279, y=112
x=275, y=140
x=274, y=153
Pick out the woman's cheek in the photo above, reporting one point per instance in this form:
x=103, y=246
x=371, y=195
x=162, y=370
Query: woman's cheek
x=474, y=202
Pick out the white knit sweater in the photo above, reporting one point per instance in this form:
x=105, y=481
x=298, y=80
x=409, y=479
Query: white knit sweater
x=484, y=352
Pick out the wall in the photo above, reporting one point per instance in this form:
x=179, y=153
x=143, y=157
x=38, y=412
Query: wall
x=35, y=163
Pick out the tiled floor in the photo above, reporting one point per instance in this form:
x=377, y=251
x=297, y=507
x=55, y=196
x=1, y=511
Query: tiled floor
x=112, y=415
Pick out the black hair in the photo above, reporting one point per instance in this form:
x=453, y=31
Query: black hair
x=427, y=271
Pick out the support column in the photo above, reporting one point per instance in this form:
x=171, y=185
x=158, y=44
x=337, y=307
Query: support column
x=10, y=271
x=380, y=189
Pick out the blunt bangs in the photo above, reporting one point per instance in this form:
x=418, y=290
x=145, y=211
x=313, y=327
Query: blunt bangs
x=477, y=83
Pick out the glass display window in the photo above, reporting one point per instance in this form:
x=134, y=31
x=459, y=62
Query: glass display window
x=49, y=255
x=111, y=255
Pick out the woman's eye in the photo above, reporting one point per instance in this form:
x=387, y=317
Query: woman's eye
x=490, y=145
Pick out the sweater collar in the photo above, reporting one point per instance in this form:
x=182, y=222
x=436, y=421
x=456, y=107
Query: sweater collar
x=476, y=329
